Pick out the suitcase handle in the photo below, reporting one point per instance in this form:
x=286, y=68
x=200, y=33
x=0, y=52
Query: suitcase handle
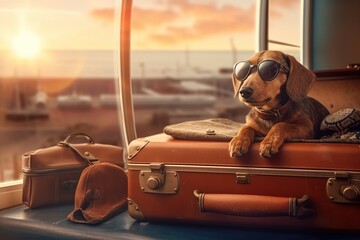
x=87, y=156
x=78, y=135
x=254, y=205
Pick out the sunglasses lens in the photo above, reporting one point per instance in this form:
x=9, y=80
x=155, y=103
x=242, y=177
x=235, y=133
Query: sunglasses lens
x=268, y=70
x=242, y=70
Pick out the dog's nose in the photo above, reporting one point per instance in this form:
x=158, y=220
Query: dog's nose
x=246, y=92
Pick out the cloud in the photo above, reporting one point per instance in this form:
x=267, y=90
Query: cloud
x=284, y=3
x=141, y=18
x=151, y=18
x=177, y=21
x=106, y=15
x=196, y=21
x=277, y=6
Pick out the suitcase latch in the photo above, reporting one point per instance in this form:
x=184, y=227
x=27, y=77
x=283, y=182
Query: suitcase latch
x=158, y=180
x=242, y=178
x=343, y=188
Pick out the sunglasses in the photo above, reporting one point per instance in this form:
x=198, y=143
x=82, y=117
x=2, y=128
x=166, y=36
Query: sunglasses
x=267, y=69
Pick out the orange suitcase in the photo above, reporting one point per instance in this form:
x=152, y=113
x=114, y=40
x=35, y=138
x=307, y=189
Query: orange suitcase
x=307, y=185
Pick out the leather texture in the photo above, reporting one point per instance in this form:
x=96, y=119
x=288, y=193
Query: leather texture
x=254, y=205
x=100, y=194
x=50, y=175
x=246, y=205
x=262, y=200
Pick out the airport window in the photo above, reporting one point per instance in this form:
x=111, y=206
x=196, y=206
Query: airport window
x=59, y=68
x=182, y=57
x=58, y=71
x=285, y=26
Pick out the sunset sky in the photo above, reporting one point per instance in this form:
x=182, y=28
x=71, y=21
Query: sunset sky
x=156, y=24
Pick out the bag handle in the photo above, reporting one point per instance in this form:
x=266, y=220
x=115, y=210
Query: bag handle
x=78, y=135
x=254, y=205
x=87, y=156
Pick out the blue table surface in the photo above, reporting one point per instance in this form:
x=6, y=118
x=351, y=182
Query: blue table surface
x=51, y=223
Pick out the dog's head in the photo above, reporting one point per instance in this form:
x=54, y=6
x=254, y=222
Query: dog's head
x=270, y=78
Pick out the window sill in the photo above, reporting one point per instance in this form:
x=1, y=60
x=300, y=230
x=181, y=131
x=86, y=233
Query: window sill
x=10, y=193
x=51, y=223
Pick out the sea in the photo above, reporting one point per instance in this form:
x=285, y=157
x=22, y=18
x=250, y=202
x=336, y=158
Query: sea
x=84, y=64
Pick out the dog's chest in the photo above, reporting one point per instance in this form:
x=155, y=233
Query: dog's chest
x=265, y=126
x=261, y=126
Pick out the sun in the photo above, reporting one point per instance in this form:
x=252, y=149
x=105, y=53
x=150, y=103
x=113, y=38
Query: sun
x=26, y=44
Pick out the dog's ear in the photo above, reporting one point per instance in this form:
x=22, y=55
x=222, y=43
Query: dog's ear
x=299, y=81
x=236, y=85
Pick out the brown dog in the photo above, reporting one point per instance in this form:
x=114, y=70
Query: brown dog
x=275, y=85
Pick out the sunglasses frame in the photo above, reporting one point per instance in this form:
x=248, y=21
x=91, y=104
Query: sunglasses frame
x=251, y=66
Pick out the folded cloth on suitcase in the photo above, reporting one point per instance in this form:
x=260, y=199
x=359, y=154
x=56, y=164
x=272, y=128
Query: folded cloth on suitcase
x=51, y=174
x=217, y=129
x=100, y=194
x=342, y=126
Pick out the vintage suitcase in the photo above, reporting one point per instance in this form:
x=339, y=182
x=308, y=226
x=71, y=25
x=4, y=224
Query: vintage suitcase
x=307, y=185
x=51, y=174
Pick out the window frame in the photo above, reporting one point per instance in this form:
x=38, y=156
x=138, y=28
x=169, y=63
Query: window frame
x=262, y=30
x=10, y=193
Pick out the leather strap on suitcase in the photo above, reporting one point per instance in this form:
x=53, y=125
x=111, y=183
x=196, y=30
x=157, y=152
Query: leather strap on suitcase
x=244, y=205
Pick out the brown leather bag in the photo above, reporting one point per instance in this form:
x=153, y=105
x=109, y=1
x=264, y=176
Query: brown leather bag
x=51, y=174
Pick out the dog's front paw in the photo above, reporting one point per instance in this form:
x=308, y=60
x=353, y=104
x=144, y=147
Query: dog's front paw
x=239, y=145
x=270, y=145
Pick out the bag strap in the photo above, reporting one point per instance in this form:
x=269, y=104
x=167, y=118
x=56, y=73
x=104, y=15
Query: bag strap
x=87, y=156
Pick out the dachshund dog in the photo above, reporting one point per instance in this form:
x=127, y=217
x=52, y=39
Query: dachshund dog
x=275, y=86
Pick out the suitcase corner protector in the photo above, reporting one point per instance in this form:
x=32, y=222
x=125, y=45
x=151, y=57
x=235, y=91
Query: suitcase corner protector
x=135, y=147
x=134, y=210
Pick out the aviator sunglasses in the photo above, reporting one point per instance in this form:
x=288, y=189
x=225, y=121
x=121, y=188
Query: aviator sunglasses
x=267, y=69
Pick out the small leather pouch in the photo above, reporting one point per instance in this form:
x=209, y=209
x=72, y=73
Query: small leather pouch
x=50, y=175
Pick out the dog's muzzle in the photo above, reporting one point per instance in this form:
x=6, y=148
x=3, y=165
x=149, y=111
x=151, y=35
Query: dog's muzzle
x=246, y=92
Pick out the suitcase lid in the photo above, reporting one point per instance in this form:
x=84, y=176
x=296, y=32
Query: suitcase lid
x=162, y=148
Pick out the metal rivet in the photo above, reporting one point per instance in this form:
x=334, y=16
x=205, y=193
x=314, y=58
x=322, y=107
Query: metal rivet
x=332, y=198
x=87, y=153
x=137, y=148
x=210, y=132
